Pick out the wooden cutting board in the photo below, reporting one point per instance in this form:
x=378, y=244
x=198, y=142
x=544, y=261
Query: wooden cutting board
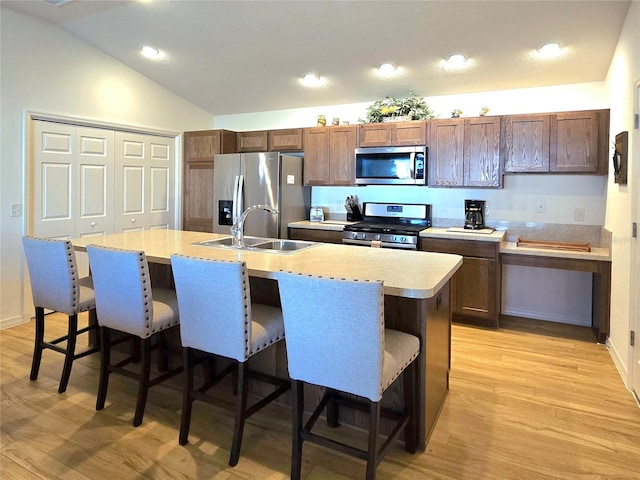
x=574, y=247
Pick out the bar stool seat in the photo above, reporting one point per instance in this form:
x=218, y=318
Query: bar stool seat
x=55, y=285
x=336, y=338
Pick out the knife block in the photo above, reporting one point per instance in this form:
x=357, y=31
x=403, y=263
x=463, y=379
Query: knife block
x=355, y=215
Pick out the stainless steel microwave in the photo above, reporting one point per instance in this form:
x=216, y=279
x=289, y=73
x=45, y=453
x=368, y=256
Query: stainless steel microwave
x=391, y=166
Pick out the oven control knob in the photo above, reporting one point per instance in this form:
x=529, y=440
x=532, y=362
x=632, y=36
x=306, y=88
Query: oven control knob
x=403, y=239
x=354, y=235
x=363, y=236
x=377, y=237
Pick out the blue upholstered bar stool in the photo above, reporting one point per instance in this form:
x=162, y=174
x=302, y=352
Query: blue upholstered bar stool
x=126, y=302
x=55, y=285
x=217, y=317
x=336, y=338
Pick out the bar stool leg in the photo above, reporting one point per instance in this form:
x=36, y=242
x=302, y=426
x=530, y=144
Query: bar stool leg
x=143, y=387
x=241, y=406
x=38, y=344
x=187, y=395
x=372, y=452
x=105, y=360
x=296, y=444
x=70, y=354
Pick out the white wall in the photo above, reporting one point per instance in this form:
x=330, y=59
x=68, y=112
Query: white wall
x=46, y=70
x=623, y=73
x=567, y=294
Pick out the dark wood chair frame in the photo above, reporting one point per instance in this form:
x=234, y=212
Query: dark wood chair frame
x=69, y=351
x=241, y=374
x=140, y=352
x=331, y=400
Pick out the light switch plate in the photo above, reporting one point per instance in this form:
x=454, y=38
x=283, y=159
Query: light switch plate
x=291, y=179
x=16, y=209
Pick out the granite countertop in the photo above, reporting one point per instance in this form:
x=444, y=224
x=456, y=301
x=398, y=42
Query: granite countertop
x=334, y=225
x=405, y=274
x=458, y=233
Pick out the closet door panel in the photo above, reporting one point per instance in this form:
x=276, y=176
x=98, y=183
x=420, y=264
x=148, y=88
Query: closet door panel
x=53, y=174
x=95, y=192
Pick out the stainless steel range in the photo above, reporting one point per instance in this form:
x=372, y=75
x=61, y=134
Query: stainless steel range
x=389, y=225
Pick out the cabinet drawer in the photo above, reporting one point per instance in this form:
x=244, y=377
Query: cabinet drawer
x=466, y=248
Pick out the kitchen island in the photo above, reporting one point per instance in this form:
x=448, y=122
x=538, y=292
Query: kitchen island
x=416, y=287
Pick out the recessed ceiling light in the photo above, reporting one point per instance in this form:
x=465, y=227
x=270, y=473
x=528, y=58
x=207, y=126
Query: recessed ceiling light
x=151, y=52
x=310, y=78
x=313, y=80
x=456, y=59
x=387, y=67
x=550, y=49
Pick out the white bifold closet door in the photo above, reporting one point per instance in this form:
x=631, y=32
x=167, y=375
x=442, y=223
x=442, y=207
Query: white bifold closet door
x=91, y=181
x=73, y=181
x=144, y=182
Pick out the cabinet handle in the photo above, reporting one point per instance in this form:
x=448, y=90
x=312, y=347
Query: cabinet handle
x=93, y=224
x=133, y=220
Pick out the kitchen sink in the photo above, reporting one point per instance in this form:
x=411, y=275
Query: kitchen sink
x=283, y=245
x=265, y=245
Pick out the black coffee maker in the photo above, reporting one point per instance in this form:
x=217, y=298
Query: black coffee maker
x=474, y=214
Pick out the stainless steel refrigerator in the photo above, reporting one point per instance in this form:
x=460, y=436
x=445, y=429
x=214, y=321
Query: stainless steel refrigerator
x=241, y=180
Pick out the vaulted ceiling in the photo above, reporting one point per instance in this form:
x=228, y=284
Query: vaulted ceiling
x=248, y=56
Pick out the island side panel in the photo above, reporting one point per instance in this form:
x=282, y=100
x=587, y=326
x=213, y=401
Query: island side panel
x=430, y=320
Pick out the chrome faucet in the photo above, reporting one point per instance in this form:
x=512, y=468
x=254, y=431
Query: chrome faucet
x=237, y=230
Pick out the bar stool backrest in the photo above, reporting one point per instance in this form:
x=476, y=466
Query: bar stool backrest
x=215, y=305
x=334, y=330
x=121, y=281
x=53, y=274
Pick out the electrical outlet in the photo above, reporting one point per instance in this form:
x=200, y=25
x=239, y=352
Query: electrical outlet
x=487, y=210
x=541, y=206
x=16, y=209
x=578, y=214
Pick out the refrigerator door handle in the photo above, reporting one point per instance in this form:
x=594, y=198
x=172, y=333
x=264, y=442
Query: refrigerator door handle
x=234, y=210
x=240, y=196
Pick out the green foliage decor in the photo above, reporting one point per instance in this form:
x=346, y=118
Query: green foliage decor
x=412, y=106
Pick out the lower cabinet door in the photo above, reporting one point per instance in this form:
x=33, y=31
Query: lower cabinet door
x=474, y=291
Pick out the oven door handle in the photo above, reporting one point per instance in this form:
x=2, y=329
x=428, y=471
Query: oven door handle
x=367, y=243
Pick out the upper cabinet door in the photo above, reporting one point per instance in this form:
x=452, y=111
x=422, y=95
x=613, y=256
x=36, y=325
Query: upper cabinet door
x=526, y=143
x=375, y=135
x=409, y=133
x=342, y=148
x=574, y=142
x=445, y=155
x=256, y=141
x=316, y=156
x=482, y=152
x=285, y=140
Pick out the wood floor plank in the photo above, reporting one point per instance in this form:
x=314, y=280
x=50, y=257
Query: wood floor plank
x=531, y=400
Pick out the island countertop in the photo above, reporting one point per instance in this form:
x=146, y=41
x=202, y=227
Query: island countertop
x=405, y=274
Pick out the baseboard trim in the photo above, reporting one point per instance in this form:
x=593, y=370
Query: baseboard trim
x=569, y=319
x=619, y=363
x=12, y=322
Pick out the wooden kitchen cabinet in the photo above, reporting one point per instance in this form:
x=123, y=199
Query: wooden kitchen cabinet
x=315, y=235
x=526, y=143
x=476, y=286
x=564, y=142
x=197, y=195
x=574, y=142
x=329, y=155
x=465, y=152
x=254, y=141
x=395, y=134
x=289, y=139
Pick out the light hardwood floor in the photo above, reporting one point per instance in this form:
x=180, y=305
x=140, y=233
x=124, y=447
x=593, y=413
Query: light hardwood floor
x=529, y=401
